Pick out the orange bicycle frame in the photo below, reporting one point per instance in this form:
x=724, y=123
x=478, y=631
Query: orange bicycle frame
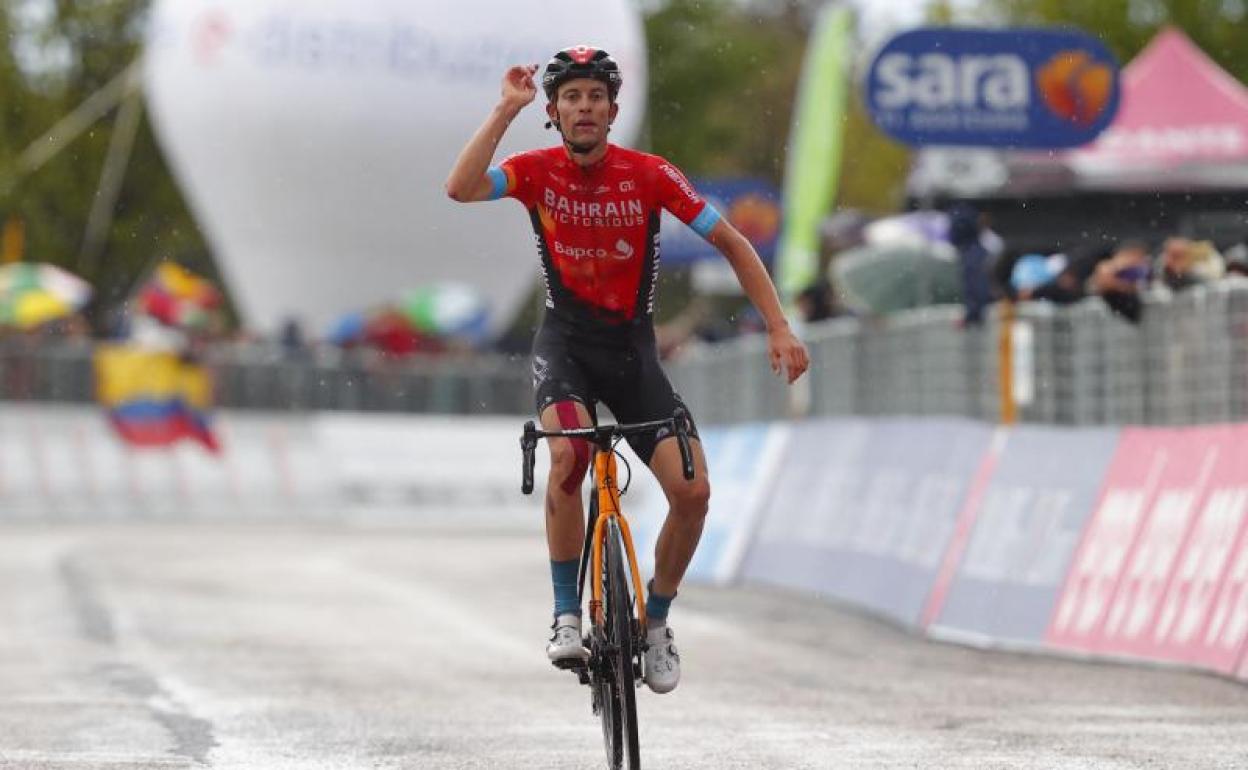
x=608, y=509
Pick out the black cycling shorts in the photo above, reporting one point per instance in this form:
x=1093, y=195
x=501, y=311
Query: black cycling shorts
x=623, y=374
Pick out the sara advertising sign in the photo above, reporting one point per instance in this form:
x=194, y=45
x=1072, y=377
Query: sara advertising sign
x=995, y=88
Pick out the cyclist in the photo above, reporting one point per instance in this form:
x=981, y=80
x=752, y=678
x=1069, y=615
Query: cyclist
x=595, y=209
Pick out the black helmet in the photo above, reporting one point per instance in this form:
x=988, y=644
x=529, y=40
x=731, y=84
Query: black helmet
x=581, y=61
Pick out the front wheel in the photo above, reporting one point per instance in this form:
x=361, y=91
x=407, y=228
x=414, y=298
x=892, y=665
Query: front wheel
x=619, y=691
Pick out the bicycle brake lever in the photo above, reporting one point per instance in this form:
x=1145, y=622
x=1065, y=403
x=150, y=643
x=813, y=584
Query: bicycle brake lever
x=680, y=423
x=528, y=447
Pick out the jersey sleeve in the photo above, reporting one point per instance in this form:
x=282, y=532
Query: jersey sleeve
x=513, y=178
x=677, y=195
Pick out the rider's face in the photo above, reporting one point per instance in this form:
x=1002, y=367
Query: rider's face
x=584, y=110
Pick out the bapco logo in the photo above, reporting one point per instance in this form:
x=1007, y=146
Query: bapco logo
x=1075, y=87
x=624, y=251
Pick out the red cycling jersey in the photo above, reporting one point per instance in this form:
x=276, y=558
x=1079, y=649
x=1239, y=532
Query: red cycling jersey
x=597, y=227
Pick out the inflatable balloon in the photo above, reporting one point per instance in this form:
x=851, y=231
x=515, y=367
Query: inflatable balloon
x=312, y=139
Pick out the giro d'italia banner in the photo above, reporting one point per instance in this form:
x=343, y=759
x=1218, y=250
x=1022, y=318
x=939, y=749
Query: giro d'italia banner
x=751, y=205
x=1039, y=88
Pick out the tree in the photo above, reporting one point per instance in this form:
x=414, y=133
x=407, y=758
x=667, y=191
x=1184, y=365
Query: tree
x=721, y=87
x=723, y=77
x=48, y=69
x=1219, y=27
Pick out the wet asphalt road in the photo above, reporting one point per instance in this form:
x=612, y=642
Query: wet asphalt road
x=256, y=647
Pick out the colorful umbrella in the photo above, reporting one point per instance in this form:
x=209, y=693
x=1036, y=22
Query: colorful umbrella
x=449, y=311
x=348, y=329
x=393, y=332
x=177, y=297
x=32, y=294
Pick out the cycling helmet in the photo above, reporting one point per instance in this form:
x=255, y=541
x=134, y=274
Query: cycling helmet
x=581, y=61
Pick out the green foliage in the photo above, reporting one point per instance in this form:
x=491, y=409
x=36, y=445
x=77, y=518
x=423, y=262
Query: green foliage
x=1219, y=27
x=723, y=78
x=874, y=167
x=721, y=87
x=77, y=51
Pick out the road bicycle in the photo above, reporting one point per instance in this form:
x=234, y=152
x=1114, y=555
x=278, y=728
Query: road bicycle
x=616, y=637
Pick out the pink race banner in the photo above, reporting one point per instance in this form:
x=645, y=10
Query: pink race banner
x=1161, y=572
x=1203, y=615
x=1109, y=540
x=1194, y=459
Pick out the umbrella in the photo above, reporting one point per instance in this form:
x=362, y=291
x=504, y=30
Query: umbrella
x=448, y=310
x=1032, y=271
x=32, y=294
x=916, y=229
x=175, y=296
x=393, y=332
x=348, y=329
x=890, y=278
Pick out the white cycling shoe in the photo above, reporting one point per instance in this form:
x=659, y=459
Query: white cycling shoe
x=661, y=663
x=566, y=645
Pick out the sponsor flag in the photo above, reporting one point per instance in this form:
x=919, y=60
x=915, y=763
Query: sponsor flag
x=154, y=398
x=813, y=167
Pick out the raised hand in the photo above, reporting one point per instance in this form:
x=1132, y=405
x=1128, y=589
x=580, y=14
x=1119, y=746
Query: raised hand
x=518, y=86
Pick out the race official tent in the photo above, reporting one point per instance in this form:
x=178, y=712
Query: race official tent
x=1175, y=154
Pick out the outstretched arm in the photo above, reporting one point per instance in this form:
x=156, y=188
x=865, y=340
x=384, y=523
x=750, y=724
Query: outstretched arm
x=468, y=181
x=785, y=351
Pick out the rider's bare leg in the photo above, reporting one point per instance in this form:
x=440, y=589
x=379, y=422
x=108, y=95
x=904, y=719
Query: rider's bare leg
x=687, y=506
x=565, y=527
x=569, y=460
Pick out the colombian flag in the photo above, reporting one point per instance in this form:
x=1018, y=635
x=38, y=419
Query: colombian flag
x=154, y=398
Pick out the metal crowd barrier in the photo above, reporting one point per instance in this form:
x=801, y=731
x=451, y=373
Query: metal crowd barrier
x=264, y=377
x=1185, y=363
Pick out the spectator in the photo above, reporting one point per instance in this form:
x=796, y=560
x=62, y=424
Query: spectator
x=1237, y=260
x=291, y=338
x=674, y=334
x=1051, y=278
x=966, y=235
x=817, y=302
x=1184, y=263
x=1120, y=279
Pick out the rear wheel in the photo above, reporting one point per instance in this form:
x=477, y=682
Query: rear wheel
x=623, y=750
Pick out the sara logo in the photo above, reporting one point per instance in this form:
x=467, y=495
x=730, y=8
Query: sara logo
x=994, y=88
x=1075, y=86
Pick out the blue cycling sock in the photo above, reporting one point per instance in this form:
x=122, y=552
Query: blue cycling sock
x=563, y=575
x=657, y=607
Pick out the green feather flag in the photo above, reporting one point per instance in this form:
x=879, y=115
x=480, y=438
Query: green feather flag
x=816, y=140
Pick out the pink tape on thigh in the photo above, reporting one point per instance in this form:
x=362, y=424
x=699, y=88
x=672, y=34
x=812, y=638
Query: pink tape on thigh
x=568, y=418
